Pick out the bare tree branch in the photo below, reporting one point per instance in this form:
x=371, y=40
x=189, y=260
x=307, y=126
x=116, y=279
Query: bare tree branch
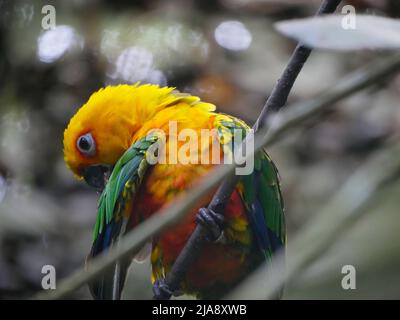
x=274, y=103
x=280, y=124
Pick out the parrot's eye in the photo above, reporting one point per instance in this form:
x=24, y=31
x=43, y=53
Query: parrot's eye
x=86, y=145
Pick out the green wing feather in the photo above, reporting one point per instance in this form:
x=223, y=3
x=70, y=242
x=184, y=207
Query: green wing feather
x=125, y=179
x=260, y=192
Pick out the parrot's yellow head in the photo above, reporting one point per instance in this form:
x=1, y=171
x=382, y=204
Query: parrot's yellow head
x=102, y=129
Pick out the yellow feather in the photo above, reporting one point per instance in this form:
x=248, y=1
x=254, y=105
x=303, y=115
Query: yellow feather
x=113, y=115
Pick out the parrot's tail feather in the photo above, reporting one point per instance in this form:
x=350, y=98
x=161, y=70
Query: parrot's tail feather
x=109, y=286
x=111, y=282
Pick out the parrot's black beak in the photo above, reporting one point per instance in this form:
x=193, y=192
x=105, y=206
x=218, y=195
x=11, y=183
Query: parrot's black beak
x=97, y=176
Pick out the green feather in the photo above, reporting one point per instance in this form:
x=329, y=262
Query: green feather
x=268, y=192
x=127, y=174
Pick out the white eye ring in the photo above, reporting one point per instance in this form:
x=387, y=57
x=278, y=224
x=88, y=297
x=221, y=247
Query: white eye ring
x=86, y=145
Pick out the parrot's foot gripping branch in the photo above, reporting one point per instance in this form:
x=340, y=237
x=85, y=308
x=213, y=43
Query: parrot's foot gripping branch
x=213, y=222
x=161, y=290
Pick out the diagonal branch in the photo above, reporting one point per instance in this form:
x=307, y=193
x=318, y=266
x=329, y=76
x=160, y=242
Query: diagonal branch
x=281, y=91
x=274, y=103
x=284, y=122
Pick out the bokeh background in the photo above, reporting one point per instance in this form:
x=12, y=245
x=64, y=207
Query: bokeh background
x=228, y=53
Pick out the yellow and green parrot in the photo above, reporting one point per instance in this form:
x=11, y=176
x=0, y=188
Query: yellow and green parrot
x=107, y=143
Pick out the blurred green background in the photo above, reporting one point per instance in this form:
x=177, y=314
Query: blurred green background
x=228, y=53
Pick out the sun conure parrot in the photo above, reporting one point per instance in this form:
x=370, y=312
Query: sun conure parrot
x=112, y=132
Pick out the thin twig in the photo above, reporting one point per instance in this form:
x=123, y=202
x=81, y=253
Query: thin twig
x=281, y=91
x=282, y=123
x=274, y=103
x=343, y=211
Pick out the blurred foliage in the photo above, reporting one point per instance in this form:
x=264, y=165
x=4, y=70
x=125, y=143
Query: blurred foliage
x=228, y=53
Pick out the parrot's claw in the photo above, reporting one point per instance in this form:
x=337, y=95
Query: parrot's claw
x=214, y=223
x=162, y=291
